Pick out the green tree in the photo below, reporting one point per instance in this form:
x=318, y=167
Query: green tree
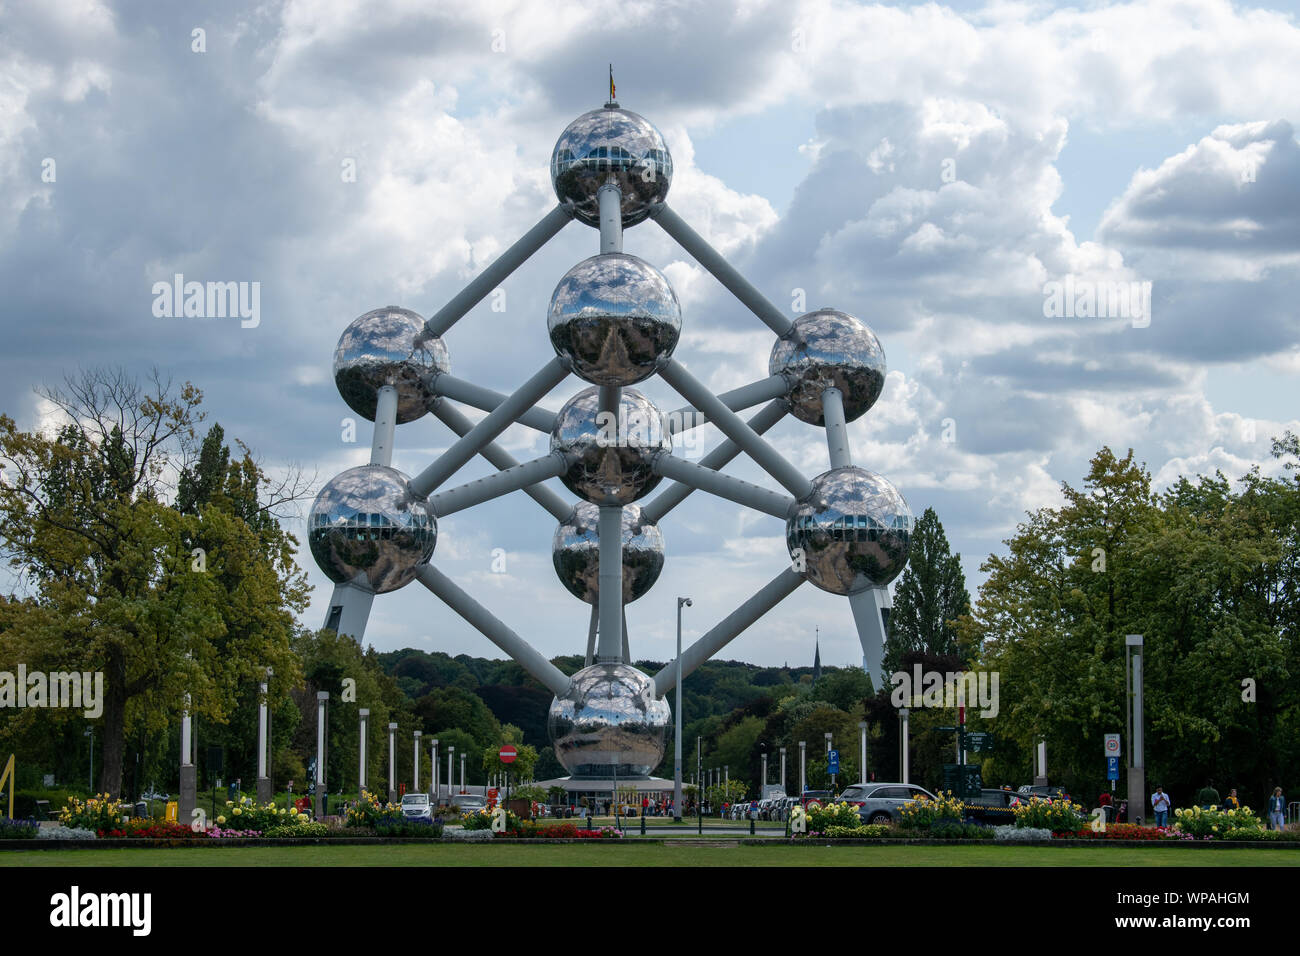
x=930, y=597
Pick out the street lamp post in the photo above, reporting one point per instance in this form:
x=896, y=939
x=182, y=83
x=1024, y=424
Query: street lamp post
x=828, y=762
x=462, y=771
x=451, y=770
x=677, y=738
x=415, y=767
x=392, y=762
x=862, y=750
x=803, y=767
x=364, y=718
x=433, y=771
x=783, y=770
x=902, y=713
x=90, y=732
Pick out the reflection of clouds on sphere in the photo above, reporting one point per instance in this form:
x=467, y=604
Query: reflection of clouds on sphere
x=367, y=522
x=852, y=531
x=611, y=143
x=575, y=552
x=611, y=461
x=825, y=349
x=388, y=347
x=609, y=722
x=614, y=319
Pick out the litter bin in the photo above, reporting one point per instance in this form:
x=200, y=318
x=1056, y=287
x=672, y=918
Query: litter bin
x=141, y=809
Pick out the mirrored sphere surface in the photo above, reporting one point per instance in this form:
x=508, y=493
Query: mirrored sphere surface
x=614, y=319
x=611, y=457
x=388, y=346
x=611, y=143
x=575, y=552
x=367, y=523
x=609, y=723
x=825, y=349
x=852, y=532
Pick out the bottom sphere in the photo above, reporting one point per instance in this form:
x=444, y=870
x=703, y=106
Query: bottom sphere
x=609, y=723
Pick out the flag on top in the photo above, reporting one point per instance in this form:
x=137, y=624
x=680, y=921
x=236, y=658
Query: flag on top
x=611, y=83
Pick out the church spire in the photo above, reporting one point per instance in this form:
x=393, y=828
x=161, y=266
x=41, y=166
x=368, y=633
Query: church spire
x=817, y=655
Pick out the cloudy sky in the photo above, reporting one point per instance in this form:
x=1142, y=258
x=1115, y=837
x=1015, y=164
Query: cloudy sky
x=930, y=168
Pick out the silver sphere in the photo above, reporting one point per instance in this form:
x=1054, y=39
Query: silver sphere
x=368, y=528
x=575, y=552
x=829, y=348
x=611, y=143
x=389, y=346
x=852, y=532
x=609, y=723
x=611, y=462
x=614, y=319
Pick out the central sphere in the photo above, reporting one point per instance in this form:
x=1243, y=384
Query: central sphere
x=852, y=532
x=389, y=346
x=611, y=460
x=614, y=319
x=611, y=144
x=368, y=528
x=575, y=552
x=609, y=723
x=829, y=349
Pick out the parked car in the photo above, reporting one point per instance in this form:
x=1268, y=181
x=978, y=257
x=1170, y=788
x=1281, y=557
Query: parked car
x=467, y=802
x=416, y=806
x=1047, y=792
x=995, y=807
x=881, y=802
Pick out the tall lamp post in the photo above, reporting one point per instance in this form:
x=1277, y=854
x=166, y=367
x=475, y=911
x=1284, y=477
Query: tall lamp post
x=677, y=738
x=803, y=767
x=862, y=751
x=1137, y=799
x=433, y=773
x=90, y=732
x=783, y=770
x=902, y=714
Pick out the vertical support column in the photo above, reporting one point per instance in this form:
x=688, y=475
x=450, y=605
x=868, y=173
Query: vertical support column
x=362, y=727
x=462, y=772
x=1137, y=786
x=433, y=771
x=763, y=785
x=803, y=766
x=348, y=610
x=415, y=767
x=783, y=770
x=392, y=762
x=610, y=596
x=837, y=429
x=610, y=199
x=906, y=743
x=451, y=771
x=862, y=751
x=322, y=717
x=263, y=742
x=189, y=797
x=381, y=448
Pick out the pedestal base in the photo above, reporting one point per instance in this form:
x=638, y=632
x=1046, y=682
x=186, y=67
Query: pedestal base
x=263, y=790
x=189, y=794
x=1139, y=805
x=321, y=803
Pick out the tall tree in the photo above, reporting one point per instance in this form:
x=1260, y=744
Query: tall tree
x=930, y=597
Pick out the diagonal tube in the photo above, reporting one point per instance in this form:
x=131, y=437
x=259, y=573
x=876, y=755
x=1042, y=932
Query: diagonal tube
x=734, y=427
x=480, y=618
x=497, y=421
x=738, y=399
x=724, y=486
x=485, y=399
x=768, y=597
x=722, y=270
x=676, y=493
x=500, y=458
x=498, y=270
x=867, y=608
x=494, y=486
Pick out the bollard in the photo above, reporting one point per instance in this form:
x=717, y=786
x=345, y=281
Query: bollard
x=751, y=822
x=643, y=821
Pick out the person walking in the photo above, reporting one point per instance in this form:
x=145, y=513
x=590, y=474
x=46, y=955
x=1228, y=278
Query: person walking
x=1160, y=804
x=1276, y=807
x=1232, y=803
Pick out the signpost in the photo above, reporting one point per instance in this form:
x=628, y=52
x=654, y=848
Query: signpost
x=1112, y=748
x=833, y=766
x=507, y=755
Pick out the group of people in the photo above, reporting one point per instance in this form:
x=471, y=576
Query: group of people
x=1161, y=804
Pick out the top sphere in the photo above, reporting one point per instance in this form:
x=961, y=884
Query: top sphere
x=826, y=349
x=852, y=532
x=389, y=346
x=614, y=319
x=611, y=143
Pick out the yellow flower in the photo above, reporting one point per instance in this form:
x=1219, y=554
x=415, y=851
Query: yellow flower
x=238, y=811
x=221, y=819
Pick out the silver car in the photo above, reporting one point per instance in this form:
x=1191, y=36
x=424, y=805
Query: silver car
x=416, y=806
x=880, y=802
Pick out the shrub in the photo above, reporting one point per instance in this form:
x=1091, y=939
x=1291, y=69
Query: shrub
x=25, y=801
x=148, y=829
x=247, y=814
x=100, y=812
x=1123, y=831
x=217, y=833
x=297, y=829
x=832, y=815
x=369, y=812
x=424, y=829
x=920, y=813
x=64, y=833
x=947, y=830
x=1059, y=816
x=18, y=829
x=870, y=831
x=1216, y=824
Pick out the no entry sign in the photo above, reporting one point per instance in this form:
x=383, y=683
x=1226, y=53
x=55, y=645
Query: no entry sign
x=508, y=753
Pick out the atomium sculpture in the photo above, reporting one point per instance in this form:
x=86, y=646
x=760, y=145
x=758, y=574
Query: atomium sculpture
x=613, y=321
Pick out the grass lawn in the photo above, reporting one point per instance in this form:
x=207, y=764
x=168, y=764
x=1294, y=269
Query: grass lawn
x=646, y=854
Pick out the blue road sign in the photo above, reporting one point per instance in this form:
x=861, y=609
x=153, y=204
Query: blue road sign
x=833, y=758
x=1112, y=768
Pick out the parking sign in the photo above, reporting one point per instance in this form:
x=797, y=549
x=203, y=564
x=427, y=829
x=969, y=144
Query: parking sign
x=1112, y=768
x=833, y=758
